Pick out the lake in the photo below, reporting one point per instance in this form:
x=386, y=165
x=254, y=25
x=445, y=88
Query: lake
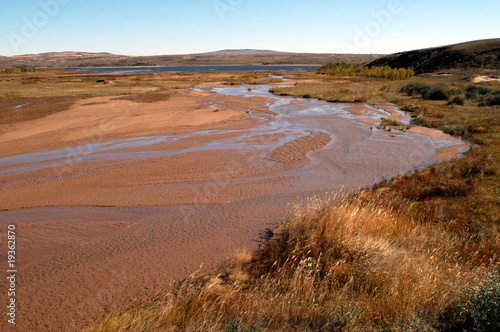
x=196, y=68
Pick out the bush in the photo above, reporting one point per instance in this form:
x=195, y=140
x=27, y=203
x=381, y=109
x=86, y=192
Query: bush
x=419, y=121
x=473, y=92
x=494, y=99
x=479, y=312
x=413, y=89
x=485, y=96
x=437, y=92
x=455, y=91
x=457, y=100
x=237, y=326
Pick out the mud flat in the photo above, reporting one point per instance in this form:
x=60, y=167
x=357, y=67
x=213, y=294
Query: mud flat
x=114, y=200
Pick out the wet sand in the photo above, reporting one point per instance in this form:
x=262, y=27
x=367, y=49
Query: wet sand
x=114, y=200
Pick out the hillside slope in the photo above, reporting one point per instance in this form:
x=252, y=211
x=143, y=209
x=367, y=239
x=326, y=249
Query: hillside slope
x=480, y=54
x=219, y=58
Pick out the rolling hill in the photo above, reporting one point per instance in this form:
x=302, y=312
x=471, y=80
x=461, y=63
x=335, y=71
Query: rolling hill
x=242, y=52
x=220, y=58
x=480, y=54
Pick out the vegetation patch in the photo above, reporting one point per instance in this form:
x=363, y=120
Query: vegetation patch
x=152, y=97
x=17, y=70
x=477, y=310
x=472, y=94
x=360, y=262
x=384, y=72
x=25, y=109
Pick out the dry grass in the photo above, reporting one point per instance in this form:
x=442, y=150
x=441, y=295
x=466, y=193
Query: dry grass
x=357, y=263
x=25, y=109
x=70, y=84
x=342, y=90
x=152, y=97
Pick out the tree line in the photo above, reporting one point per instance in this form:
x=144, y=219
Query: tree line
x=385, y=72
x=17, y=70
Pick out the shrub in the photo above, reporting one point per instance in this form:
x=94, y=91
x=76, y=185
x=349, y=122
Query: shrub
x=480, y=311
x=388, y=122
x=457, y=100
x=419, y=121
x=238, y=326
x=473, y=92
x=437, y=92
x=455, y=91
x=413, y=89
x=494, y=99
x=485, y=96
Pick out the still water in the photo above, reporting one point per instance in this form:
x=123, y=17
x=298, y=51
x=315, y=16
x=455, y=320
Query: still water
x=194, y=69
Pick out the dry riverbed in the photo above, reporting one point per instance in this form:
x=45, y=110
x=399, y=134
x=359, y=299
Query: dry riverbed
x=115, y=199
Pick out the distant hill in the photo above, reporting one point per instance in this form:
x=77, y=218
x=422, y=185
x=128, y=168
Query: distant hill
x=59, y=59
x=480, y=54
x=220, y=58
x=243, y=52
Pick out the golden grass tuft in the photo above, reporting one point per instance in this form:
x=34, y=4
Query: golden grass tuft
x=355, y=263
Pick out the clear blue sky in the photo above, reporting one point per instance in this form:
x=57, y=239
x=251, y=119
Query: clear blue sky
x=153, y=27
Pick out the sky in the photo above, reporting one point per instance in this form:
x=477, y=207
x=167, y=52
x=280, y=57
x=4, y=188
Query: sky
x=157, y=27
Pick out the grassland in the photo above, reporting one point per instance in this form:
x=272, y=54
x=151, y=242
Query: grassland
x=61, y=83
x=32, y=95
x=417, y=253
x=48, y=84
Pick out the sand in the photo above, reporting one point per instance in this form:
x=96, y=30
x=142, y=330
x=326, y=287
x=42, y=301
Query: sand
x=451, y=152
x=298, y=102
x=104, y=118
x=483, y=78
x=115, y=200
x=445, y=153
x=434, y=134
x=295, y=152
x=358, y=109
x=394, y=114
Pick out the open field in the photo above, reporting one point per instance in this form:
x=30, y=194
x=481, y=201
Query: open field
x=123, y=188
x=56, y=83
